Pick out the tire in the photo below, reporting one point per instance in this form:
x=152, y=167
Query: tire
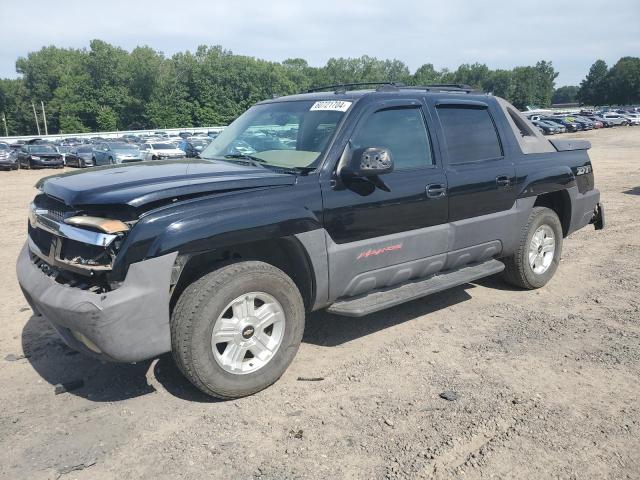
x=110, y=161
x=518, y=268
x=202, y=306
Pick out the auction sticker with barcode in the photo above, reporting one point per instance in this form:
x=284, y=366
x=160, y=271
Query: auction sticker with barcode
x=333, y=105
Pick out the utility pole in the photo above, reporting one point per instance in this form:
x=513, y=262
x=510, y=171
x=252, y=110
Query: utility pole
x=36, y=117
x=4, y=120
x=44, y=119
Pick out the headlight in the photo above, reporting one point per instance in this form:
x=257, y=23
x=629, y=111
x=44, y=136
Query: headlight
x=106, y=225
x=33, y=157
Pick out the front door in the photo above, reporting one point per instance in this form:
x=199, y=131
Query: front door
x=387, y=229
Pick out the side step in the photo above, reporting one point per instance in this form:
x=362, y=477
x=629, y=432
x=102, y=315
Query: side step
x=381, y=299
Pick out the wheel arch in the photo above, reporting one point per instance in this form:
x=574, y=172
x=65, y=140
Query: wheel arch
x=286, y=253
x=560, y=202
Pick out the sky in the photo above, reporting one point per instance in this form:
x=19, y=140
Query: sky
x=501, y=33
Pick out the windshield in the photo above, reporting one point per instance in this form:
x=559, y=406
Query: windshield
x=85, y=150
x=42, y=149
x=163, y=146
x=4, y=146
x=282, y=134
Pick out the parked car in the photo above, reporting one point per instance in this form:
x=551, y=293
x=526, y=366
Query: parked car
x=545, y=127
x=633, y=118
x=585, y=123
x=110, y=153
x=80, y=156
x=570, y=126
x=8, y=158
x=39, y=156
x=193, y=147
x=615, y=118
x=160, y=151
x=597, y=118
x=218, y=259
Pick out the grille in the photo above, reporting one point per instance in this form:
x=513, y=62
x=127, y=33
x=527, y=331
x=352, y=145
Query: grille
x=57, y=210
x=41, y=238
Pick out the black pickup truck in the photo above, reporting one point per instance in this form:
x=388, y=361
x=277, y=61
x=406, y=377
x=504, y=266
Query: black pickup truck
x=347, y=200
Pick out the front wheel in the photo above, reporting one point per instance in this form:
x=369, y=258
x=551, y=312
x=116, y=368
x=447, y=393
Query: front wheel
x=236, y=330
x=538, y=254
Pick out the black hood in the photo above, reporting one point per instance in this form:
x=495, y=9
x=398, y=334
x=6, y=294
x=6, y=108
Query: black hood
x=141, y=183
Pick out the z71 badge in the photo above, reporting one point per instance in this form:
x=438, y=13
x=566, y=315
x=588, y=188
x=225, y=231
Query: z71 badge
x=583, y=170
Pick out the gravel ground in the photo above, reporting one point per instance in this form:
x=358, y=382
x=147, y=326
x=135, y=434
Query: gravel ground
x=537, y=384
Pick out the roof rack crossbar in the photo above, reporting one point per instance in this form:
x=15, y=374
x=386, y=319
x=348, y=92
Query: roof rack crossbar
x=343, y=86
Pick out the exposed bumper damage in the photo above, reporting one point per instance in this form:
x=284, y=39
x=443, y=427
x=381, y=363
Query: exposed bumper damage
x=584, y=209
x=128, y=324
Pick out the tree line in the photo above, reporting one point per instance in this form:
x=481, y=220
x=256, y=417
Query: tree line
x=105, y=88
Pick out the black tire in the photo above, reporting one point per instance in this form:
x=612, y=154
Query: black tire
x=198, y=309
x=518, y=270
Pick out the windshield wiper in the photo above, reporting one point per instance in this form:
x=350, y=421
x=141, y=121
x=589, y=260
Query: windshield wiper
x=245, y=156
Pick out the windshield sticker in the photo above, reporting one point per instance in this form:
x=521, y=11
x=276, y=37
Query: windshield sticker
x=332, y=105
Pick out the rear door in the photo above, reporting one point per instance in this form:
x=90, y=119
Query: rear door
x=481, y=177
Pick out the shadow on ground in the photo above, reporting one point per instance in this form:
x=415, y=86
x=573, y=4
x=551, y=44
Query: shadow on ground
x=633, y=191
x=56, y=363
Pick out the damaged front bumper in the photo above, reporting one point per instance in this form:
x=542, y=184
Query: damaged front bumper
x=128, y=324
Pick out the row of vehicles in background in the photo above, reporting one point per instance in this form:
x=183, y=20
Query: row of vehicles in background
x=97, y=151
x=552, y=124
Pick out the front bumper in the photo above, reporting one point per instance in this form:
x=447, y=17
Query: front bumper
x=10, y=164
x=46, y=163
x=129, y=324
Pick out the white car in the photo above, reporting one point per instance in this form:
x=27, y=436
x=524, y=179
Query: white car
x=615, y=118
x=634, y=118
x=160, y=151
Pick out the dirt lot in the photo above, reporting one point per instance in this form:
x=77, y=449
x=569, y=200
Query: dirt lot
x=547, y=382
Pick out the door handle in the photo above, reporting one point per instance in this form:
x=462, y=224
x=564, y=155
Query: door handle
x=436, y=190
x=503, y=181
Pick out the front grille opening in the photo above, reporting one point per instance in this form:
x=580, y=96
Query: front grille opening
x=41, y=238
x=95, y=284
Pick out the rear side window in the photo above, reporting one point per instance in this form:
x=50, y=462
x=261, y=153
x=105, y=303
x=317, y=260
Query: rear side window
x=402, y=131
x=470, y=134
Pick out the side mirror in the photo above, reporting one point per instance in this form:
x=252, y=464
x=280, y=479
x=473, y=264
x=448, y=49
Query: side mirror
x=367, y=162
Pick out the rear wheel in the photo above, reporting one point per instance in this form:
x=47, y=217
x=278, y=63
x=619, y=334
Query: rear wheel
x=236, y=330
x=538, y=254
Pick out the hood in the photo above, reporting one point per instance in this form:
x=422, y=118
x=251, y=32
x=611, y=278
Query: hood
x=137, y=184
x=46, y=155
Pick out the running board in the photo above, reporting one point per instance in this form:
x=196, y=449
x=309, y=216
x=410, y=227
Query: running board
x=381, y=299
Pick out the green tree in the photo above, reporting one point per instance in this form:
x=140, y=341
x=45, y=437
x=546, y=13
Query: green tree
x=623, y=81
x=593, y=89
x=106, y=119
x=566, y=94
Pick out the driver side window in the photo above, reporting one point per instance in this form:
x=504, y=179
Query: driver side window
x=402, y=131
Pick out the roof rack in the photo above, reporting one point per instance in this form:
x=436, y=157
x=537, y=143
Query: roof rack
x=395, y=86
x=445, y=87
x=342, y=87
